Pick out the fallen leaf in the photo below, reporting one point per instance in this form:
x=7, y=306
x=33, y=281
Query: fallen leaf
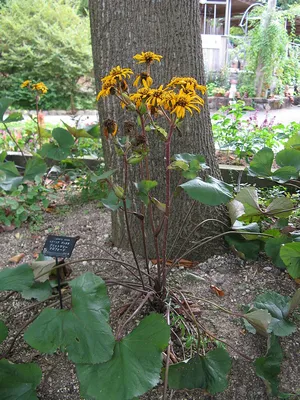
x=5, y=228
x=18, y=235
x=51, y=208
x=219, y=292
x=17, y=258
x=297, y=280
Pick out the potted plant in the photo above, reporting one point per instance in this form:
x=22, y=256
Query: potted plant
x=218, y=92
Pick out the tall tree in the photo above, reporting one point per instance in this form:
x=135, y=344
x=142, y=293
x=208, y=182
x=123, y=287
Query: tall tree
x=172, y=29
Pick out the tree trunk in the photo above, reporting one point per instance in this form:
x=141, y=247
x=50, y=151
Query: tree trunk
x=172, y=29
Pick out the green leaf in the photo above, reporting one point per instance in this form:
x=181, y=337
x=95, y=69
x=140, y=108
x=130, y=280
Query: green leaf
x=135, y=366
x=268, y=367
x=279, y=206
x=77, y=133
x=54, y=152
x=3, y=331
x=179, y=165
x=135, y=158
x=112, y=202
x=293, y=142
x=212, y=192
x=144, y=188
x=261, y=163
x=19, y=381
x=83, y=331
x=4, y=104
x=3, y=155
x=93, y=130
x=63, y=138
x=260, y=320
x=39, y=290
x=11, y=177
x=249, y=198
x=160, y=206
x=246, y=249
x=288, y=157
x=284, y=174
x=278, y=306
x=272, y=249
x=14, y=117
x=188, y=157
x=16, y=279
x=35, y=167
x=290, y=254
x=206, y=372
x=104, y=176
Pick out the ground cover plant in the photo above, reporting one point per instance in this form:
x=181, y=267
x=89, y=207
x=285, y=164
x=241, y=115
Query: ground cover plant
x=82, y=329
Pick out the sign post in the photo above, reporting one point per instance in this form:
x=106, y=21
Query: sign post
x=59, y=246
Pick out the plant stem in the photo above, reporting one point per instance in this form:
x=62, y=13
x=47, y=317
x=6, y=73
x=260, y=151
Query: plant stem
x=167, y=212
x=37, y=120
x=32, y=306
x=15, y=142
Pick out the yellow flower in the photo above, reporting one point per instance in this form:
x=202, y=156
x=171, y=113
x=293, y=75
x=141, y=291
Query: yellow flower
x=156, y=96
x=185, y=101
x=108, y=87
x=110, y=127
x=187, y=83
x=25, y=84
x=40, y=87
x=140, y=95
x=118, y=73
x=144, y=76
x=148, y=57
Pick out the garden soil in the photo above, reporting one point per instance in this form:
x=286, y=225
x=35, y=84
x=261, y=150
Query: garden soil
x=241, y=282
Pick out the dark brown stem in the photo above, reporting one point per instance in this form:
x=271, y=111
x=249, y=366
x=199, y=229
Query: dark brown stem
x=121, y=323
x=37, y=120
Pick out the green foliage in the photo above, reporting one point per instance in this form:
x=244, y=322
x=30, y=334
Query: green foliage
x=19, y=381
x=207, y=372
x=136, y=362
x=43, y=40
x=3, y=331
x=82, y=331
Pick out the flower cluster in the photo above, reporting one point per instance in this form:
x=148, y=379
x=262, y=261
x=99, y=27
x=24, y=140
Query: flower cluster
x=39, y=87
x=177, y=97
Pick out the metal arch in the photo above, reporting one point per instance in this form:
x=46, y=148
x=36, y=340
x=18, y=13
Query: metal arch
x=245, y=16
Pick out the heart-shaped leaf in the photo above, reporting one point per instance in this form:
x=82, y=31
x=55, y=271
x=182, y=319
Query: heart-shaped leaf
x=290, y=254
x=135, y=366
x=19, y=381
x=211, y=192
x=35, y=167
x=63, y=138
x=206, y=372
x=260, y=320
x=83, y=331
x=261, y=163
x=144, y=188
x=288, y=157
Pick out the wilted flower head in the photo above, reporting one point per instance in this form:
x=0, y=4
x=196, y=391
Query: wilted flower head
x=187, y=83
x=40, y=87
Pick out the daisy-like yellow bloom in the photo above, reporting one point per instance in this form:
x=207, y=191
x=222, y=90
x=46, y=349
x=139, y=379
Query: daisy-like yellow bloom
x=187, y=83
x=25, y=84
x=140, y=95
x=118, y=73
x=148, y=57
x=143, y=76
x=186, y=101
x=156, y=96
x=108, y=87
x=40, y=87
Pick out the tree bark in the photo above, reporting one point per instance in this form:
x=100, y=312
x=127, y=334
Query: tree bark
x=172, y=29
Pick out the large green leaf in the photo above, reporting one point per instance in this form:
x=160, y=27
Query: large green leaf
x=211, y=192
x=10, y=178
x=268, y=367
x=246, y=249
x=278, y=306
x=135, y=366
x=63, y=138
x=261, y=163
x=14, y=117
x=104, y=176
x=16, y=279
x=206, y=372
x=280, y=207
x=144, y=188
x=249, y=198
x=259, y=320
x=77, y=132
x=284, y=174
x=290, y=254
x=35, y=167
x=4, y=104
x=3, y=331
x=83, y=331
x=272, y=249
x=293, y=142
x=288, y=157
x=21, y=279
x=19, y=381
x=54, y=152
